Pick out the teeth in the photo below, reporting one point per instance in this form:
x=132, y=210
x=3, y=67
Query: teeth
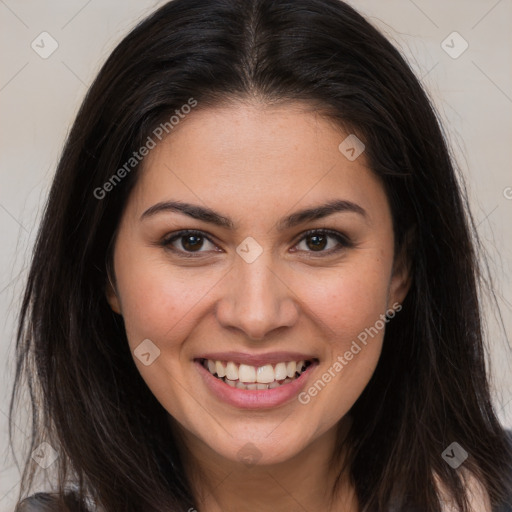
x=265, y=374
x=250, y=377
x=291, y=368
x=232, y=371
x=280, y=371
x=255, y=385
x=247, y=373
x=220, y=369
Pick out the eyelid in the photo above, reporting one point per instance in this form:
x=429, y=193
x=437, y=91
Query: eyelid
x=331, y=232
x=343, y=240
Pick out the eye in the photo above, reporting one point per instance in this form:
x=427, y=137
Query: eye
x=188, y=242
x=323, y=241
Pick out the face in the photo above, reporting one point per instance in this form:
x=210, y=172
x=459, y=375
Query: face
x=253, y=268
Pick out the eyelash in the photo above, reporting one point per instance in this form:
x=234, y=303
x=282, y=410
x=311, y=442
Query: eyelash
x=344, y=241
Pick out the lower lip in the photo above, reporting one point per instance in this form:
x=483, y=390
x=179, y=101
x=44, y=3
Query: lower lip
x=255, y=398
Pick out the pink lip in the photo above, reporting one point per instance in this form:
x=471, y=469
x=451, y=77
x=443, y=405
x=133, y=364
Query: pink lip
x=258, y=398
x=257, y=359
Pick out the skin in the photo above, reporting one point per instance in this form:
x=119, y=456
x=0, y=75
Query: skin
x=256, y=164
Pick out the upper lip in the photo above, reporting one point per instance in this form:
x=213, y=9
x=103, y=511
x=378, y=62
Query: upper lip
x=257, y=359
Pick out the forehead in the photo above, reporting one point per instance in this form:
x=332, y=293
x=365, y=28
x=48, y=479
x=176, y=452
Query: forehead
x=254, y=158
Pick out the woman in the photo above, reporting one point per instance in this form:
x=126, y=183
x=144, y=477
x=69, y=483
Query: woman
x=254, y=287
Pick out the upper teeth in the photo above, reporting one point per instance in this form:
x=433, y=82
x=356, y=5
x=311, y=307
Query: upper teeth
x=263, y=374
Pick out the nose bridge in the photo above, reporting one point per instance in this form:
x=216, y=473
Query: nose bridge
x=256, y=300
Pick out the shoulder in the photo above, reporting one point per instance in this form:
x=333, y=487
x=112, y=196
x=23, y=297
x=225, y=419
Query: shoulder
x=478, y=496
x=507, y=507
x=51, y=502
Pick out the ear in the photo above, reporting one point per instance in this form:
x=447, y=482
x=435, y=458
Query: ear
x=401, y=279
x=112, y=298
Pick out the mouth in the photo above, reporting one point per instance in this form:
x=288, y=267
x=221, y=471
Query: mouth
x=250, y=378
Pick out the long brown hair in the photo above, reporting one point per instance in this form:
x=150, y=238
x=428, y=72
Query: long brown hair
x=430, y=387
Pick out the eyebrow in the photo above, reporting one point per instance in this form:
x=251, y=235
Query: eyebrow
x=207, y=215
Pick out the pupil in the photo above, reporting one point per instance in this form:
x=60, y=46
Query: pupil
x=318, y=242
x=191, y=242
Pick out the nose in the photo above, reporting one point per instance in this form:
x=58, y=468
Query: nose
x=257, y=299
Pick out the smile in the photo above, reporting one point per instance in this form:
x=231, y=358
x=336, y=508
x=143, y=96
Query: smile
x=248, y=377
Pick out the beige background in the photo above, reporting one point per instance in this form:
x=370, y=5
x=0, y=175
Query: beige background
x=39, y=98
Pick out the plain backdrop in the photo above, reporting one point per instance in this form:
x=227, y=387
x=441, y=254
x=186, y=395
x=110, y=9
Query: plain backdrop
x=467, y=74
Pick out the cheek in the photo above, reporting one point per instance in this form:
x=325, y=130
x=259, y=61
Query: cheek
x=159, y=302
x=348, y=299
x=349, y=306
x=162, y=305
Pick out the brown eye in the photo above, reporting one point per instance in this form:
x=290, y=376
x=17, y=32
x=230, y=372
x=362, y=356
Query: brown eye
x=191, y=242
x=188, y=242
x=316, y=242
x=323, y=242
